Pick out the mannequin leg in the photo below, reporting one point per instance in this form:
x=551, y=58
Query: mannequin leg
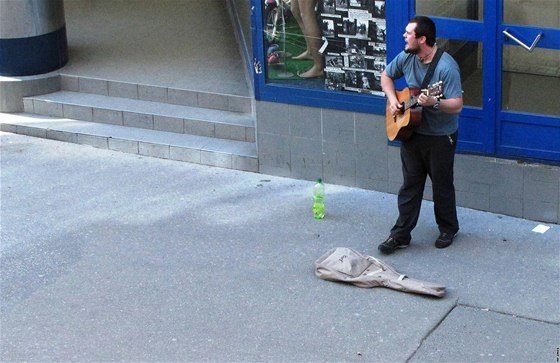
x=312, y=34
x=306, y=54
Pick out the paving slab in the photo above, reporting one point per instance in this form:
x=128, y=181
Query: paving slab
x=496, y=261
x=112, y=256
x=469, y=335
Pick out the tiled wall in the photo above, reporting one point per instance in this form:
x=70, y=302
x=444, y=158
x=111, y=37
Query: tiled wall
x=351, y=149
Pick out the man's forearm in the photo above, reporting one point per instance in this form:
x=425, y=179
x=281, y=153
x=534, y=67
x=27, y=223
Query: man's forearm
x=452, y=105
x=388, y=86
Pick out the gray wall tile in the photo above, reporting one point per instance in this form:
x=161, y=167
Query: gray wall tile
x=250, y=134
x=62, y=136
x=182, y=97
x=371, y=184
x=231, y=132
x=221, y=160
x=394, y=166
x=541, y=193
x=508, y=180
x=171, y=124
x=123, y=89
x=339, y=163
x=185, y=154
x=69, y=83
x=28, y=105
x=99, y=142
x=306, y=158
x=200, y=128
x=304, y=121
x=31, y=131
x=245, y=163
x=506, y=205
x=270, y=169
x=239, y=104
x=274, y=154
x=371, y=164
x=152, y=93
x=338, y=126
x=541, y=183
x=153, y=150
x=91, y=85
x=8, y=128
x=473, y=200
x=105, y=116
x=540, y=210
x=76, y=112
x=272, y=118
x=127, y=146
x=480, y=170
x=140, y=120
x=47, y=108
x=213, y=101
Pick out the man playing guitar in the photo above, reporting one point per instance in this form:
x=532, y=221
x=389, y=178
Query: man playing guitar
x=430, y=150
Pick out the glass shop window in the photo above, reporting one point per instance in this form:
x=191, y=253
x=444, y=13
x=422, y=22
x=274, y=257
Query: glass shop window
x=458, y=9
x=337, y=45
x=469, y=57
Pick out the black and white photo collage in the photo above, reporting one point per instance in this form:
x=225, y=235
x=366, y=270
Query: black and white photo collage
x=355, y=47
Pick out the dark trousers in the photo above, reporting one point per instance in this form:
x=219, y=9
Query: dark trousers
x=424, y=156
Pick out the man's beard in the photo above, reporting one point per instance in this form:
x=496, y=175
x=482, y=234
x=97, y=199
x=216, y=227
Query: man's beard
x=411, y=50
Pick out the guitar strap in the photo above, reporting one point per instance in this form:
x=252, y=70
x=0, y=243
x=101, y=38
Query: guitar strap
x=431, y=69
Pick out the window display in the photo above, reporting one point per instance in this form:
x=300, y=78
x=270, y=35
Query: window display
x=338, y=45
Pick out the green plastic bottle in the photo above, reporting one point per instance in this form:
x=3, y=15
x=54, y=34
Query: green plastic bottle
x=319, y=200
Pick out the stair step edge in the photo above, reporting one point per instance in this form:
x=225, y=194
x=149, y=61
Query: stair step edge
x=101, y=102
x=229, y=102
x=144, y=142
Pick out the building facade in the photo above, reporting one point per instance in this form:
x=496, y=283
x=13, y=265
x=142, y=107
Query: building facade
x=331, y=124
x=334, y=127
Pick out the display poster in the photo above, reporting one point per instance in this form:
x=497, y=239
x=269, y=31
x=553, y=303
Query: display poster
x=352, y=45
x=355, y=48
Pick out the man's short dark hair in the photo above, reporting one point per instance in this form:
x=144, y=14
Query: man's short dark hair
x=425, y=27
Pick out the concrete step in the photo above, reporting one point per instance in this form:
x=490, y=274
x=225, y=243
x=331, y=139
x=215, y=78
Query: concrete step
x=144, y=114
x=176, y=96
x=211, y=151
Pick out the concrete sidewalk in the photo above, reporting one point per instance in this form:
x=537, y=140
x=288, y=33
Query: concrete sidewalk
x=108, y=256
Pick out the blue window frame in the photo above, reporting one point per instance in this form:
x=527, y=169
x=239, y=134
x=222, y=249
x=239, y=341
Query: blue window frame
x=270, y=91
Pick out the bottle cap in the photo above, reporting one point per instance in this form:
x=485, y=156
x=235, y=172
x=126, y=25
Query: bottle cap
x=319, y=180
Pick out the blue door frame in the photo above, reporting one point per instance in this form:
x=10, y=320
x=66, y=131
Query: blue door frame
x=522, y=134
x=490, y=130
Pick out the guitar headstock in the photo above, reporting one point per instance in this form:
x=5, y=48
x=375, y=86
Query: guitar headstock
x=435, y=90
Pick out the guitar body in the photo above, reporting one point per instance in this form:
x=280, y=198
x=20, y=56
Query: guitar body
x=401, y=125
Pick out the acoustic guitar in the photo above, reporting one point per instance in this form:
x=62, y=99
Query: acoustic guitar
x=400, y=125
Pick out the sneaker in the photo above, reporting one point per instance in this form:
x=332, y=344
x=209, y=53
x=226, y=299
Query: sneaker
x=391, y=244
x=445, y=240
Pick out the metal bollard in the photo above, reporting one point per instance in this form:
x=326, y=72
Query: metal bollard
x=32, y=37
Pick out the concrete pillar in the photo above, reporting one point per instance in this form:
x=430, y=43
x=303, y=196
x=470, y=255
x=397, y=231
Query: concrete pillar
x=32, y=37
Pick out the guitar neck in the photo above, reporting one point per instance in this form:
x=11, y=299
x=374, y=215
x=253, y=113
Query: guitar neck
x=411, y=103
x=434, y=90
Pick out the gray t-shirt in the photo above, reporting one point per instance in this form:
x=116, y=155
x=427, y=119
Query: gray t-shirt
x=434, y=122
